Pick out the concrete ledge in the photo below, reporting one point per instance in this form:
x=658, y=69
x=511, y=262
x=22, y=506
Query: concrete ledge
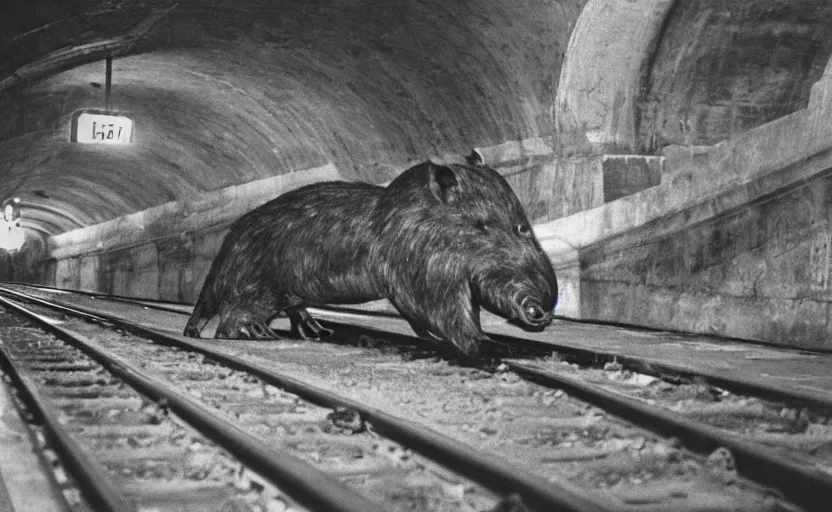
x=515, y=150
x=723, y=203
x=171, y=219
x=694, y=175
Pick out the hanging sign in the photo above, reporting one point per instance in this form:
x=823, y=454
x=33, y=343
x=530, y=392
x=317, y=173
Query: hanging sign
x=101, y=127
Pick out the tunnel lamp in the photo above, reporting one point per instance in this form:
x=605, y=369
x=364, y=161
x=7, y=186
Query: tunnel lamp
x=10, y=209
x=11, y=234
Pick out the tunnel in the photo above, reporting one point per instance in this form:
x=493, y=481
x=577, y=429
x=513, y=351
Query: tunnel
x=673, y=156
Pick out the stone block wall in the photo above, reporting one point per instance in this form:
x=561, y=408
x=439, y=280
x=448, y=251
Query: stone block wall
x=760, y=271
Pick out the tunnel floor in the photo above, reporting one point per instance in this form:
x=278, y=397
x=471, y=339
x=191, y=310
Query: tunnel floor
x=543, y=431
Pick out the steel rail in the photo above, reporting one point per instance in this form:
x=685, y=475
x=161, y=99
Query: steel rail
x=809, y=488
x=801, y=398
x=90, y=477
x=490, y=471
x=173, y=308
x=303, y=482
x=797, y=398
x=164, y=305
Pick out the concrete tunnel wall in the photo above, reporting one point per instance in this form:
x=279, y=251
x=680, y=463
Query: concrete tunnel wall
x=575, y=101
x=734, y=241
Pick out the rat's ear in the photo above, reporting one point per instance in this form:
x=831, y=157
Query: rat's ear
x=474, y=158
x=443, y=183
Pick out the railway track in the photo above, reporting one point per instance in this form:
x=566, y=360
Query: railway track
x=111, y=424
x=552, y=433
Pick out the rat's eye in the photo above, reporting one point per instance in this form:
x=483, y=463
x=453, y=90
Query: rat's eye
x=523, y=229
x=481, y=225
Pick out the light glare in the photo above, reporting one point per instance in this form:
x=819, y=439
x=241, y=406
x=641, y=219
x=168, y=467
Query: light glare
x=12, y=236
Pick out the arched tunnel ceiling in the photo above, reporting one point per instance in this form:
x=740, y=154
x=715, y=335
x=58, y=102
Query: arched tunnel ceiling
x=721, y=68
x=225, y=92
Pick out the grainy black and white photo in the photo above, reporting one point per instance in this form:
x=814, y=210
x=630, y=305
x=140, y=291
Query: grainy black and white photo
x=416, y=256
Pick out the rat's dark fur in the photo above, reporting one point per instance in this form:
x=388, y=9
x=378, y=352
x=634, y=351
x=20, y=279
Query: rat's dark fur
x=439, y=242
